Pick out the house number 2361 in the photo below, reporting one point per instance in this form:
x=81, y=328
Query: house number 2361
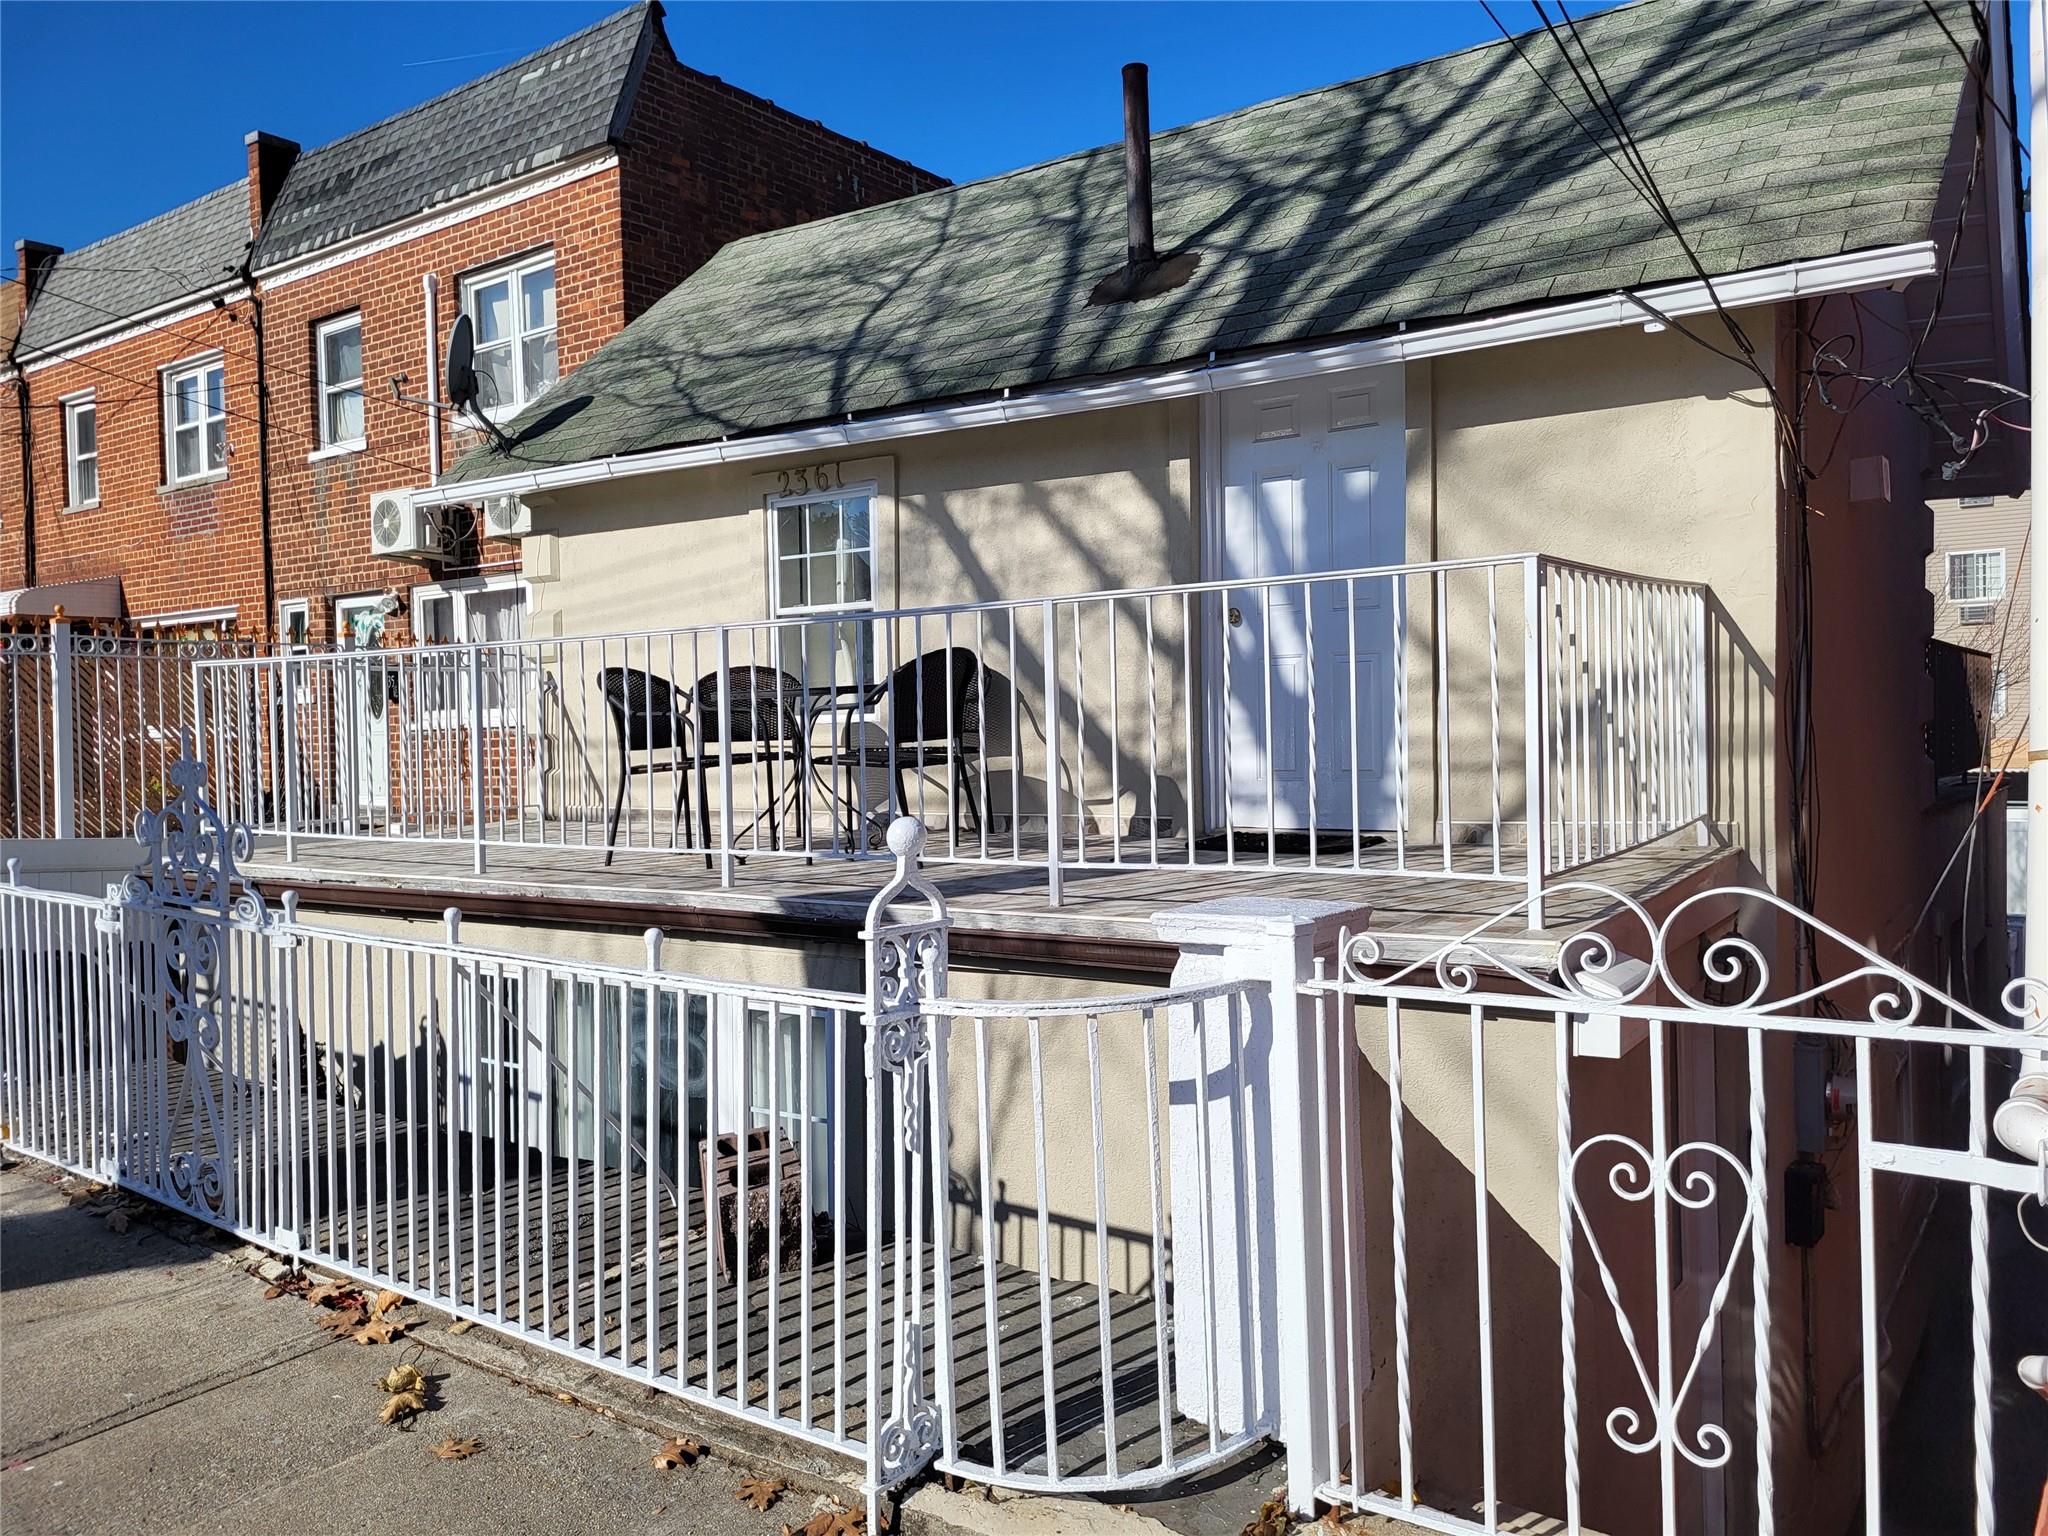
x=815, y=477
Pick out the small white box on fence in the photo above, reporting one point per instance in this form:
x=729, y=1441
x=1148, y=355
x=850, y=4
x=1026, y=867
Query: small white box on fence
x=1610, y=1036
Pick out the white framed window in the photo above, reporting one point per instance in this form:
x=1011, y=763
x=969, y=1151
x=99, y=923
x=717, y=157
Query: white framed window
x=295, y=623
x=822, y=560
x=1976, y=576
x=81, y=450
x=477, y=612
x=513, y=310
x=338, y=351
x=195, y=419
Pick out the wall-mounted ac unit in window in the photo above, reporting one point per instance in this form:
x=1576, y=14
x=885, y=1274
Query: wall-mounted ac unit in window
x=507, y=517
x=1977, y=613
x=400, y=530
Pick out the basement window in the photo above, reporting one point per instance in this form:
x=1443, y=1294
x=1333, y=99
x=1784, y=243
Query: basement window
x=195, y=419
x=81, y=451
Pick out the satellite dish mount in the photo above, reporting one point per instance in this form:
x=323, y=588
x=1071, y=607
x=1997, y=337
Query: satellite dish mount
x=460, y=383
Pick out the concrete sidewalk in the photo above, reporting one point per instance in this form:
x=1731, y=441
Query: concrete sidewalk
x=147, y=1385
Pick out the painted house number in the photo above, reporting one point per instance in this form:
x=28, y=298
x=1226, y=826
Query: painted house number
x=811, y=478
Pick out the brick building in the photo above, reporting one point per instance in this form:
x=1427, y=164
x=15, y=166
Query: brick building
x=199, y=410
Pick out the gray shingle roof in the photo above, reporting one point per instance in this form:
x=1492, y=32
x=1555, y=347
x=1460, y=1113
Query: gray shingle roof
x=1782, y=130
x=190, y=249
x=540, y=111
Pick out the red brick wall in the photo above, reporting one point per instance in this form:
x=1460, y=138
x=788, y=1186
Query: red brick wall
x=320, y=509
x=198, y=546
x=705, y=163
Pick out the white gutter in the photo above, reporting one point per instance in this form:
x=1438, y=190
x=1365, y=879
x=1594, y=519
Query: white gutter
x=1767, y=285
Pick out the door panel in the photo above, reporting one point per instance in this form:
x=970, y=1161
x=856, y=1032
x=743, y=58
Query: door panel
x=1313, y=481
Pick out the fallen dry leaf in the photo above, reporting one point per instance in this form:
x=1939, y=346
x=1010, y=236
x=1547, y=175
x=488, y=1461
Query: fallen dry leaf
x=761, y=1492
x=834, y=1522
x=583, y=1434
x=338, y=1323
x=462, y=1325
x=1272, y=1518
x=402, y=1378
x=386, y=1300
x=676, y=1451
x=117, y=1220
x=402, y=1405
x=379, y=1330
x=334, y=1293
x=452, y=1449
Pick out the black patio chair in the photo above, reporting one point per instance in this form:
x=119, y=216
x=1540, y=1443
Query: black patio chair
x=647, y=717
x=651, y=715
x=944, y=707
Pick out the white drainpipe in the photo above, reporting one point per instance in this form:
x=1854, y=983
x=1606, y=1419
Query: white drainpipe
x=429, y=290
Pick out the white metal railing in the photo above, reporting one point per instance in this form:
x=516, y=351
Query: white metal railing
x=90, y=723
x=1399, y=719
x=776, y=1202
x=1615, y=1327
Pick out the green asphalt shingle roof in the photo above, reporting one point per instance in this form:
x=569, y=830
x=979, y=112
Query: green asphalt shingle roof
x=1786, y=130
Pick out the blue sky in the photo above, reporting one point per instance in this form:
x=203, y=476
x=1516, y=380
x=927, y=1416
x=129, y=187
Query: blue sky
x=965, y=89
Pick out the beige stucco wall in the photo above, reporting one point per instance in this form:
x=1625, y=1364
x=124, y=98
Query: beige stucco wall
x=1635, y=451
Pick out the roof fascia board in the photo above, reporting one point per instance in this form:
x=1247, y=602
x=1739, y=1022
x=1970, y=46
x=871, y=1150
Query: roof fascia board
x=1857, y=270
x=443, y=216
x=187, y=308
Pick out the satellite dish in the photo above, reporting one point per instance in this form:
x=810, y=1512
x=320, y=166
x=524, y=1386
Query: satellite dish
x=460, y=374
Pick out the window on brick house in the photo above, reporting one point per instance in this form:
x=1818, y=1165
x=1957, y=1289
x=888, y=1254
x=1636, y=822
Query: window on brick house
x=339, y=344
x=513, y=311
x=81, y=451
x=195, y=419
x=483, y=611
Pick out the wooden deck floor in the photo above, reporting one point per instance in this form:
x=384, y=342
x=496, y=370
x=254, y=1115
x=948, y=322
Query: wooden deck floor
x=794, y=1349
x=1412, y=912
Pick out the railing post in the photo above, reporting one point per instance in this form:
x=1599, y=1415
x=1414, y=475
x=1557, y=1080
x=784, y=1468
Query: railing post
x=63, y=729
x=1535, y=758
x=1259, y=1084
x=1702, y=770
x=905, y=963
x=288, y=715
x=724, y=706
x=1052, y=754
x=476, y=758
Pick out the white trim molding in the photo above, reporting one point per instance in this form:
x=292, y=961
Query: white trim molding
x=1879, y=268
x=446, y=216
x=190, y=307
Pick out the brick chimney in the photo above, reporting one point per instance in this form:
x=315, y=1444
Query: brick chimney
x=270, y=157
x=32, y=261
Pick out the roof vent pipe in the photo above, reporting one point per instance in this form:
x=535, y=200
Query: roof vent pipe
x=1138, y=162
x=1145, y=272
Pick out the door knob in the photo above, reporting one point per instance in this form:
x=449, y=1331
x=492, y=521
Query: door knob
x=1236, y=618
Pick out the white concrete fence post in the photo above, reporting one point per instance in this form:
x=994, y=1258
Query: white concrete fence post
x=1261, y=1086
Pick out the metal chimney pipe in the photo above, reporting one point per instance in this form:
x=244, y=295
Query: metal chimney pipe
x=1138, y=164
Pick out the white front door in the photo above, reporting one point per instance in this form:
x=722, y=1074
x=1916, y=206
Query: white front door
x=362, y=736
x=1313, y=480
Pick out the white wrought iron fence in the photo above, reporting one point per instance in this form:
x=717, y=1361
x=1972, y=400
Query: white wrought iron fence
x=774, y=1202
x=1498, y=720
x=1616, y=1330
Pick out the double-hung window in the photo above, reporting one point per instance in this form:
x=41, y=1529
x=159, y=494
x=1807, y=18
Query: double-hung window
x=339, y=348
x=195, y=419
x=81, y=451
x=1976, y=576
x=513, y=310
x=824, y=563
